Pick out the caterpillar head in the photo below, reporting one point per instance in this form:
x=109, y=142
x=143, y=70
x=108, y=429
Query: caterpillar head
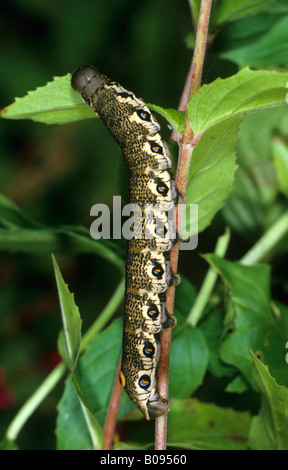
x=86, y=80
x=144, y=395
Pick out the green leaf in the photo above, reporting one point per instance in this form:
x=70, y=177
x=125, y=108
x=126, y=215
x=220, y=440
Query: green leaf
x=244, y=211
x=245, y=92
x=237, y=385
x=212, y=328
x=86, y=432
x=54, y=103
x=211, y=174
x=277, y=7
x=259, y=41
x=69, y=348
x=254, y=203
x=95, y=430
x=215, y=113
x=57, y=103
x=96, y=370
x=186, y=296
x=175, y=118
x=70, y=339
x=189, y=349
x=230, y=11
x=254, y=325
x=269, y=430
x=265, y=124
x=195, y=425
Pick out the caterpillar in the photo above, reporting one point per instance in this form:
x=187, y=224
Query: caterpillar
x=148, y=273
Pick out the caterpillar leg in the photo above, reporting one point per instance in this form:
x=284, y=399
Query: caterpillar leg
x=157, y=407
x=173, y=279
x=168, y=321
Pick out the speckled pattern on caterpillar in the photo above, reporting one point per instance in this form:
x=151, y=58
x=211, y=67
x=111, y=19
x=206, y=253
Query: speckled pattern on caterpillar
x=148, y=274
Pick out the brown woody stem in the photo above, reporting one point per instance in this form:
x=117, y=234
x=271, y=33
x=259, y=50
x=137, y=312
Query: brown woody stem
x=186, y=146
x=112, y=411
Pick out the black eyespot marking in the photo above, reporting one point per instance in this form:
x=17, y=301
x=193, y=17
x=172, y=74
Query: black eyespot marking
x=156, y=148
x=144, y=115
x=153, y=312
x=160, y=231
x=162, y=189
x=157, y=271
x=144, y=381
x=148, y=349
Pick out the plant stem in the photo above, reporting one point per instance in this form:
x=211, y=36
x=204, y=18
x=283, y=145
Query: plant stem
x=185, y=153
x=208, y=284
x=268, y=241
x=34, y=401
x=200, y=46
x=112, y=412
x=194, y=13
x=186, y=143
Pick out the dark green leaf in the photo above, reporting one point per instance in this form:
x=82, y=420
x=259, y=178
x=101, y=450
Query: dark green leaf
x=188, y=349
x=245, y=92
x=254, y=324
x=54, y=103
x=69, y=347
x=96, y=371
x=70, y=339
x=211, y=174
x=215, y=113
x=175, y=118
x=195, y=425
x=228, y=11
x=259, y=41
x=212, y=328
x=269, y=430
